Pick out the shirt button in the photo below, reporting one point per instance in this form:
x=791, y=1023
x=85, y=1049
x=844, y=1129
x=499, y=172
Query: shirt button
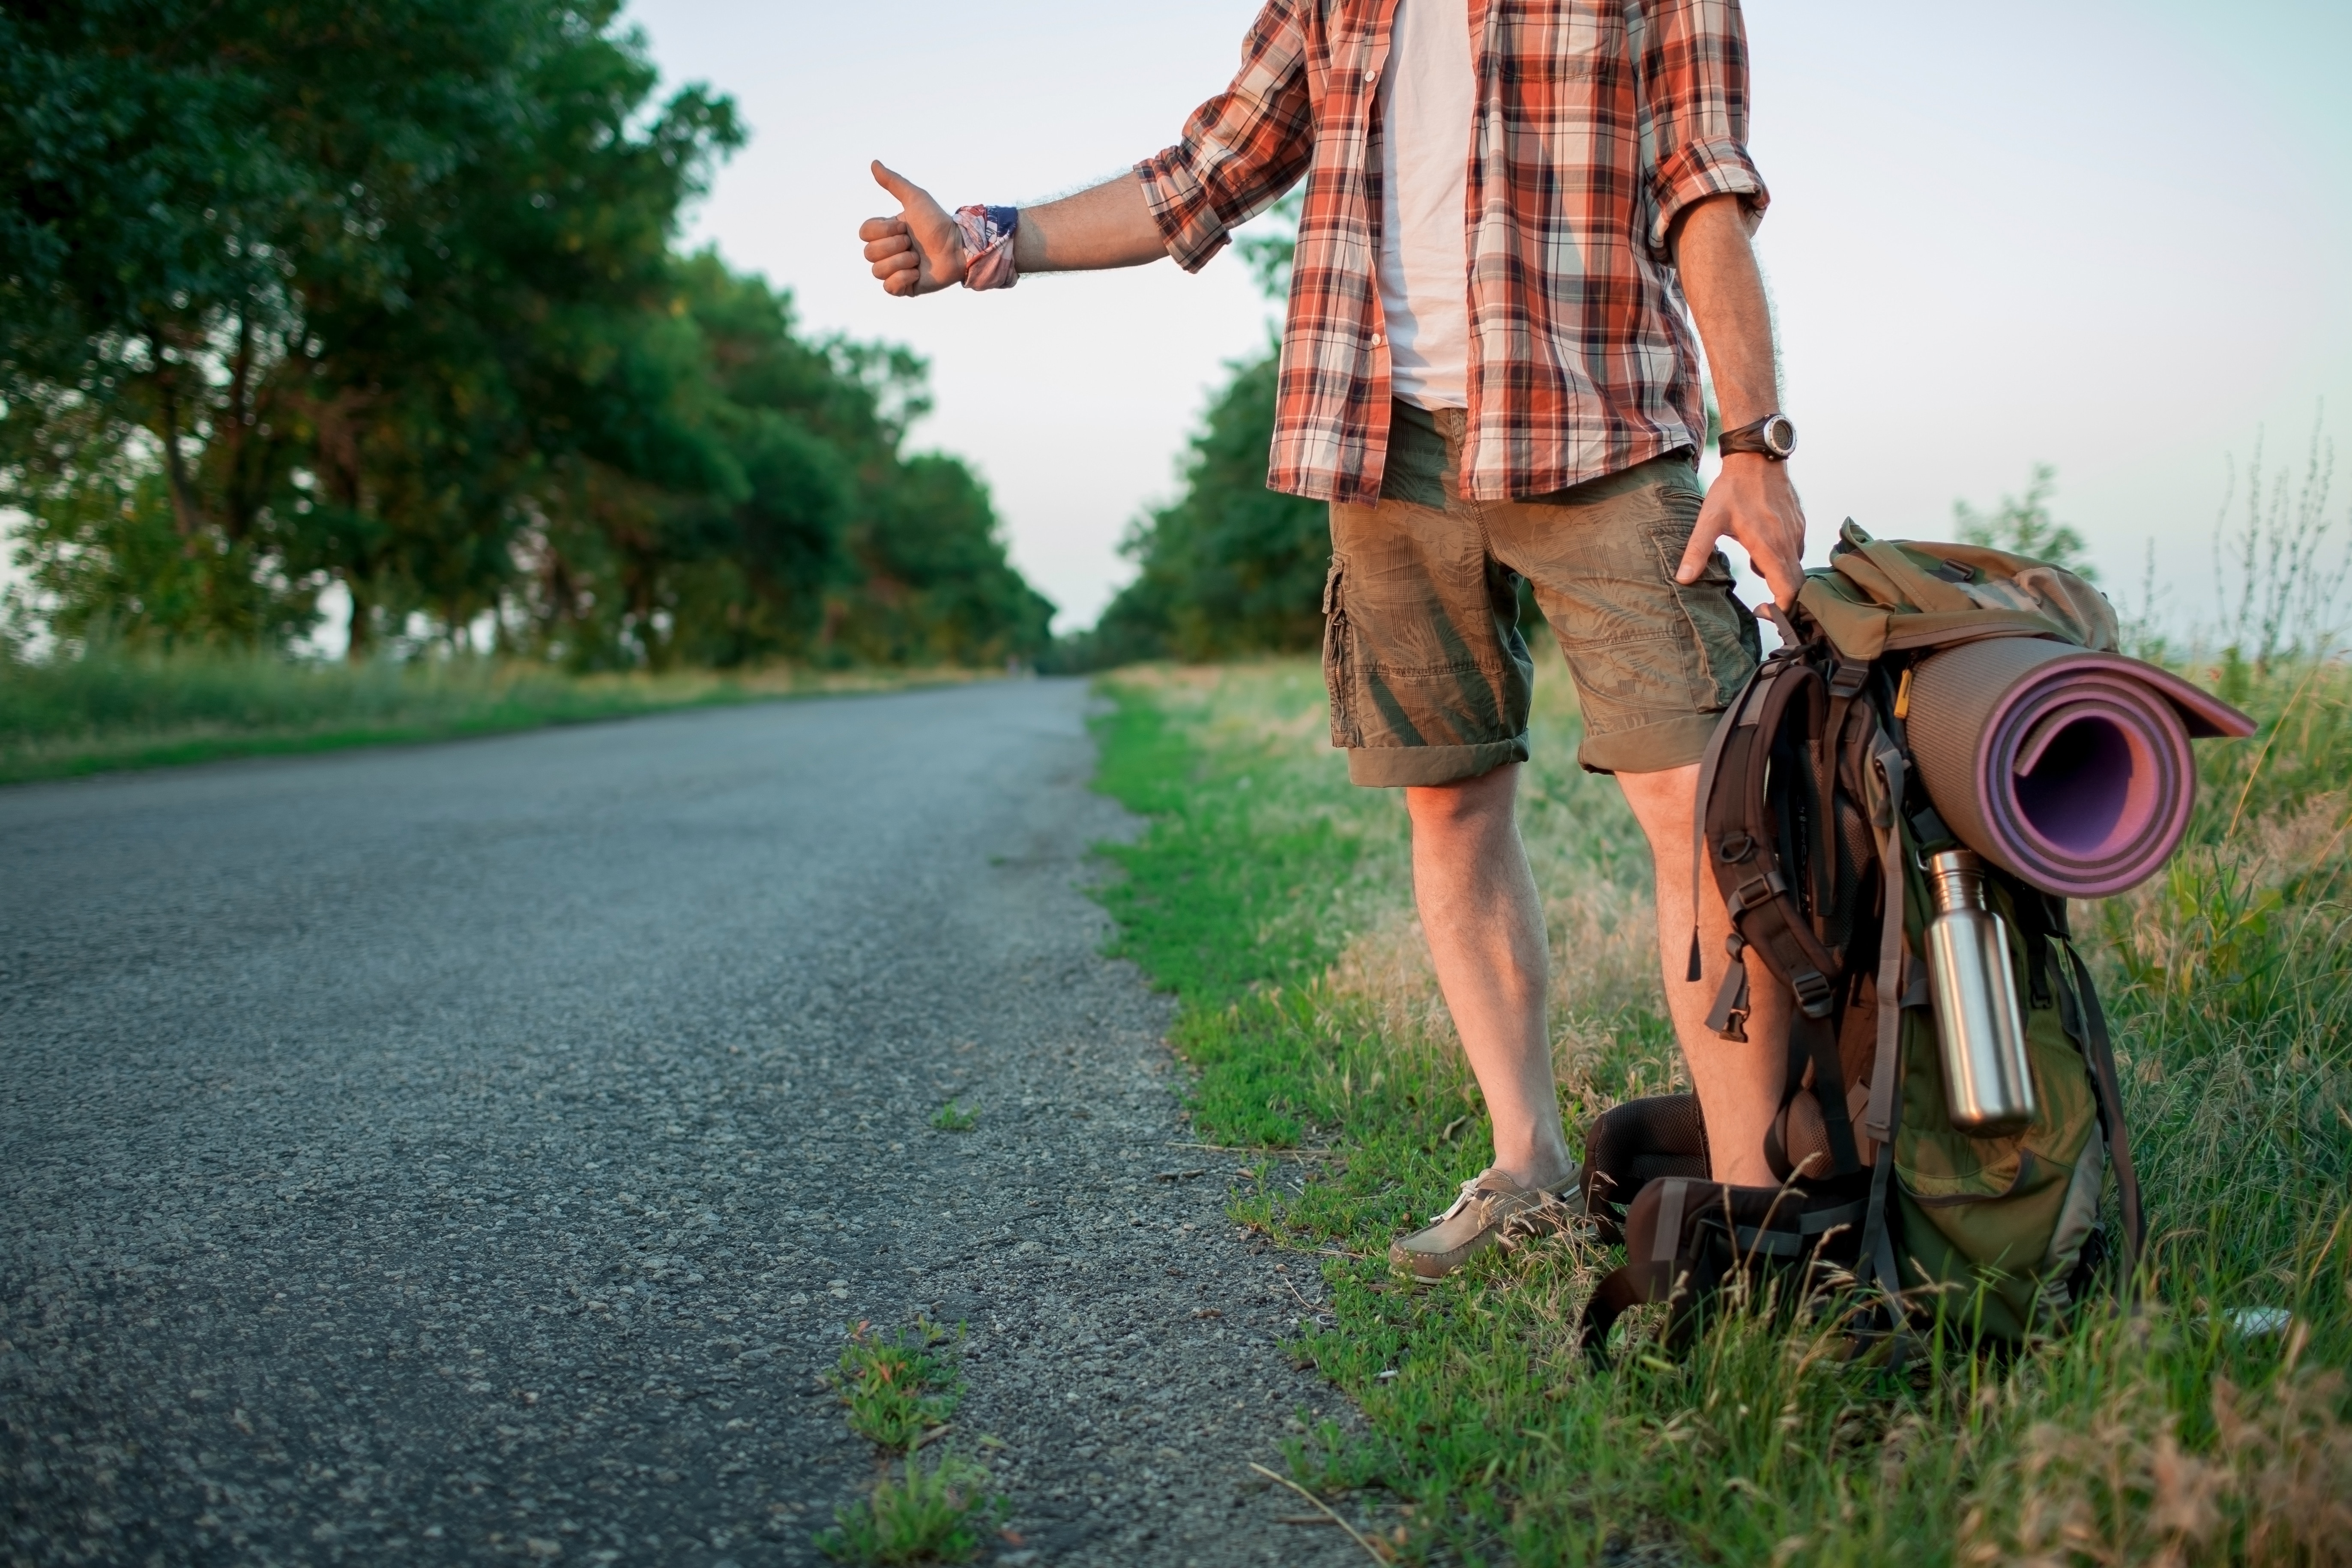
x=1378, y=340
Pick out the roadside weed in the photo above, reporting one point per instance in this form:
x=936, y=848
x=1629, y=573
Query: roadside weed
x=936, y=1513
x=899, y=1390
x=954, y=1118
x=899, y=1387
x=1281, y=916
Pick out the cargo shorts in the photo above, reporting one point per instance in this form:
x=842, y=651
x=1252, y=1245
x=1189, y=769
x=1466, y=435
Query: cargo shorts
x=1430, y=678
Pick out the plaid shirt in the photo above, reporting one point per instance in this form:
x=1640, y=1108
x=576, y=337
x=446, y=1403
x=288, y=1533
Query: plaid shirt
x=1599, y=122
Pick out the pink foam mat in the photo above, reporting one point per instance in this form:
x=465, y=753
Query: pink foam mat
x=2070, y=769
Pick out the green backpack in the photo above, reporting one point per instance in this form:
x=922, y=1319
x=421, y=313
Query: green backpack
x=1816, y=823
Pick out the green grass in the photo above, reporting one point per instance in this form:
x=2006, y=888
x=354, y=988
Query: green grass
x=954, y=1118
x=899, y=1388
x=898, y=1391
x=939, y=1513
x=1275, y=900
x=110, y=711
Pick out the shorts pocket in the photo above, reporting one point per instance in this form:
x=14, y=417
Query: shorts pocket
x=1339, y=659
x=1723, y=650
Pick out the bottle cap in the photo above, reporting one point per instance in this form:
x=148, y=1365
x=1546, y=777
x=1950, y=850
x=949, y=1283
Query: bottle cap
x=1957, y=876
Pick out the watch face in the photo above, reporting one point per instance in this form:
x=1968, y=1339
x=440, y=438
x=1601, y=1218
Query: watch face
x=1779, y=435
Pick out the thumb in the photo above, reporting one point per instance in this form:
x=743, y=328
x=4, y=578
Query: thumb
x=897, y=185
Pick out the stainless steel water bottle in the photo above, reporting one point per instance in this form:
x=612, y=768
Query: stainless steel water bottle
x=1987, y=1083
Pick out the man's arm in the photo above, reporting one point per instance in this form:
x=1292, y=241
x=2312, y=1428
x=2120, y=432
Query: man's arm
x=1239, y=151
x=922, y=250
x=1752, y=500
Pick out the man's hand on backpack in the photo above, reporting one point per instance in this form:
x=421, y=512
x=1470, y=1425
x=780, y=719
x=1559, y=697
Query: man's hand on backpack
x=920, y=251
x=1753, y=502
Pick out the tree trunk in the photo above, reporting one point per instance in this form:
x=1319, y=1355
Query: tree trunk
x=361, y=646
x=241, y=500
x=186, y=516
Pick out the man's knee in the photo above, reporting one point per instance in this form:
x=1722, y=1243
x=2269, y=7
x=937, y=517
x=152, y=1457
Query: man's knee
x=1466, y=807
x=1663, y=802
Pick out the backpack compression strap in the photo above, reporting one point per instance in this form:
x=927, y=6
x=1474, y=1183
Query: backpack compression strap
x=2101, y=1050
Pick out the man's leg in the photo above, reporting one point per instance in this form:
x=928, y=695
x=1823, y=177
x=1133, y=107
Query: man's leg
x=1738, y=1085
x=1478, y=905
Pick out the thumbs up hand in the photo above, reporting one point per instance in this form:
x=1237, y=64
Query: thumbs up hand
x=920, y=251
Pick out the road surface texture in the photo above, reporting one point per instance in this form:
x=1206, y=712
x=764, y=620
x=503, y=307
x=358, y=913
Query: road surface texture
x=475, y=1152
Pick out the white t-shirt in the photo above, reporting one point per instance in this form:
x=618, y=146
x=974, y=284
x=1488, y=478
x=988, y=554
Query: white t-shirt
x=1427, y=98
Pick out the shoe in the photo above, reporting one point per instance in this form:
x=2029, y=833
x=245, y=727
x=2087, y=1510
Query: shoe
x=1493, y=1211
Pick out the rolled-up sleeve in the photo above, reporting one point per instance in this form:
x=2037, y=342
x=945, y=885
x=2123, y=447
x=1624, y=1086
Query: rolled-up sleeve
x=1694, y=64
x=1241, y=150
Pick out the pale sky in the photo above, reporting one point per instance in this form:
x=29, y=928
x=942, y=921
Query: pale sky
x=2108, y=237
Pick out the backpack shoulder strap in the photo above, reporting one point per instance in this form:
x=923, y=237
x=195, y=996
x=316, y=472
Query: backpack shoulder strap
x=1877, y=1265
x=1711, y=764
x=1743, y=831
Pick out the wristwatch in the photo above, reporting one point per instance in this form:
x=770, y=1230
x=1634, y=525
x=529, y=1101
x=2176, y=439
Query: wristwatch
x=1773, y=436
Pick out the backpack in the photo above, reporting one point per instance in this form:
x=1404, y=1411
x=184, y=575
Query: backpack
x=1816, y=825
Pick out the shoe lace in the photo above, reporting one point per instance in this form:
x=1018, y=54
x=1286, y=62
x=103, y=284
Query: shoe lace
x=1476, y=1186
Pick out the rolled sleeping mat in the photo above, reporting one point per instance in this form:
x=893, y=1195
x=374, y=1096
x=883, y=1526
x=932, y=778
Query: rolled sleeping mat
x=2069, y=769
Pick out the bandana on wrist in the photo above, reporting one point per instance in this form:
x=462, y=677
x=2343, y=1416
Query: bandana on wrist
x=988, y=246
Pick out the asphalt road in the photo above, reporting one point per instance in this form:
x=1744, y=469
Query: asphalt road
x=476, y=1152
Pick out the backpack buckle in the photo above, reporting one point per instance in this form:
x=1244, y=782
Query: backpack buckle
x=1755, y=892
x=1814, y=993
x=1848, y=679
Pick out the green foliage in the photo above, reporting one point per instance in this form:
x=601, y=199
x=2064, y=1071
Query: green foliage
x=936, y=585
x=954, y=1118
x=104, y=556
x=297, y=293
x=938, y=1514
x=2023, y=525
x=2166, y=1435
x=898, y=1388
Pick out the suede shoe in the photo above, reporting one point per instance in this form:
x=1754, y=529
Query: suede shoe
x=1493, y=1211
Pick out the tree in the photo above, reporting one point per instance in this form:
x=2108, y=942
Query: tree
x=1232, y=567
x=935, y=585
x=824, y=542
x=344, y=274
x=301, y=292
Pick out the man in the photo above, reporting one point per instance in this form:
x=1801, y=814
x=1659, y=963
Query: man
x=1488, y=372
